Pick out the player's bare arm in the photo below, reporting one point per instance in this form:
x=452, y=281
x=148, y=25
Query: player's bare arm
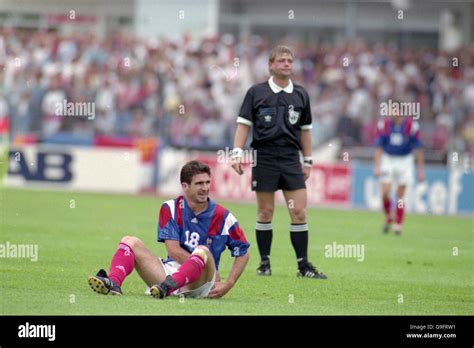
x=176, y=252
x=240, y=138
x=223, y=287
x=377, y=160
x=307, y=149
x=420, y=162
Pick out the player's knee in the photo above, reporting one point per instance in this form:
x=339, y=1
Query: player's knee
x=131, y=241
x=202, y=247
x=203, y=252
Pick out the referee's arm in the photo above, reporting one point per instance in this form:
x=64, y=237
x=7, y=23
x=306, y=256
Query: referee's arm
x=307, y=148
x=240, y=138
x=241, y=135
x=244, y=122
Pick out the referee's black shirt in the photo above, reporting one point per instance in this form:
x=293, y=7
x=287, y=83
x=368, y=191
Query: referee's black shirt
x=277, y=114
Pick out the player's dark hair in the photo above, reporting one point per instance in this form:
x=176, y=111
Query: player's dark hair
x=193, y=168
x=278, y=50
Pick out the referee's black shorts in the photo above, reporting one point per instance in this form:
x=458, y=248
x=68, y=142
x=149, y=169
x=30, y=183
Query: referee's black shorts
x=277, y=169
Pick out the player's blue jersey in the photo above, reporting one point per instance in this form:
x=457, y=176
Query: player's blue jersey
x=215, y=227
x=398, y=140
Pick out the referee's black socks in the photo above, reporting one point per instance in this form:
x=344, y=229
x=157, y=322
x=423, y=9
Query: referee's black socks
x=299, y=240
x=264, y=231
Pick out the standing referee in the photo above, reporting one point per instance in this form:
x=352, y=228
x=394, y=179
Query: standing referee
x=280, y=114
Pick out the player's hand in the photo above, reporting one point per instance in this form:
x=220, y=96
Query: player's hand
x=238, y=168
x=306, y=172
x=421, y=175
x=220, y=289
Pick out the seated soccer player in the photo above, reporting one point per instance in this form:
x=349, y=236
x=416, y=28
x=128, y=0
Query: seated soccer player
x=196, y=231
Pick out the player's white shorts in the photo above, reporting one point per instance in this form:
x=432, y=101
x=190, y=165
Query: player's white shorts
x=201, y=292
x=399, y=170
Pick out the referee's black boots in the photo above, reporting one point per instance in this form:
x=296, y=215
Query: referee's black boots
x=264, y=268
x=307, y=270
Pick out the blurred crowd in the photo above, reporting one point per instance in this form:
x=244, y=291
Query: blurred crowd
x=189, y=93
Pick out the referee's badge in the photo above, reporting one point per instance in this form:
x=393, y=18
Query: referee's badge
x=293, y=115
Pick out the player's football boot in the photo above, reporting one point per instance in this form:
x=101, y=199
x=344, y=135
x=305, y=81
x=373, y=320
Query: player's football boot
x=307, y=270
x=161, y=290
x=102, y=284
x=264, y=269
x=387, y=225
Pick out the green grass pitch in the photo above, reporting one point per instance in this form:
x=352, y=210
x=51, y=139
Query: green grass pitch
x=415, y=274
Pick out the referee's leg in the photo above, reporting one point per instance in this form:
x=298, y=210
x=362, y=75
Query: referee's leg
x=296, y=202
x=264, y=229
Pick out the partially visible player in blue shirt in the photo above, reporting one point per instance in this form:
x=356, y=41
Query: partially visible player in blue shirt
x=398, y=138
x=196, y=231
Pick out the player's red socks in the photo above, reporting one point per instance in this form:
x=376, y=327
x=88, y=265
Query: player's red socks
x=399, y=215
x=190, y=271
x=386, y=207
x=122, y=263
